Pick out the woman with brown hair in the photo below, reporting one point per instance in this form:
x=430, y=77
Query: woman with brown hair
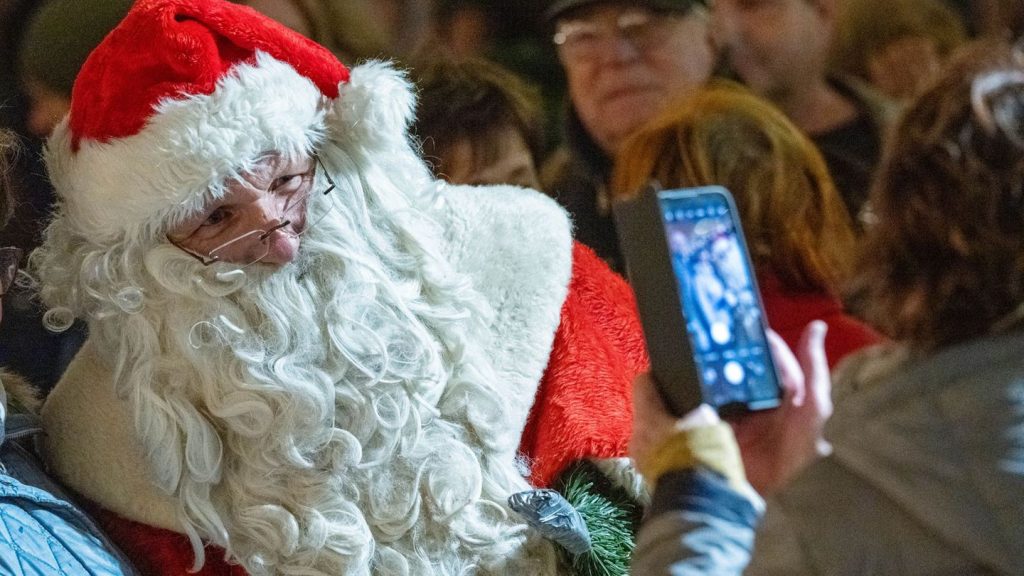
x=925, y=467
x=799, y=233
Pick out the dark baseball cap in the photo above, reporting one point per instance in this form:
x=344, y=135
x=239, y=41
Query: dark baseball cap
x=560, y=7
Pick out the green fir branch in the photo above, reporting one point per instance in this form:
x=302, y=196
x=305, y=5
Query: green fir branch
x=610, y=516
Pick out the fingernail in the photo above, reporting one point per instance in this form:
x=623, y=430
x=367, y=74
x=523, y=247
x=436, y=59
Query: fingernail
x=820, y=328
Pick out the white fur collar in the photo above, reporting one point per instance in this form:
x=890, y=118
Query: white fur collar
x=516, y=246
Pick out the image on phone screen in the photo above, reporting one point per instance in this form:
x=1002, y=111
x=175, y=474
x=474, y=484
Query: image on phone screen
x=719, y=300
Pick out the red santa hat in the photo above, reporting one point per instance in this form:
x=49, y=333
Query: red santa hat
x=185, y=94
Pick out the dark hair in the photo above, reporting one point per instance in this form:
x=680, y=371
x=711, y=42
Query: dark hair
x=8, y=148
x=945, y=261
x=473, y=99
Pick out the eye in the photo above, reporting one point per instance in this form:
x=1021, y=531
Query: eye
x=290, y=183
x=218, y=216
x=283, y=182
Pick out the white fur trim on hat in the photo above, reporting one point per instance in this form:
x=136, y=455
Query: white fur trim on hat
x=187, y=149
x=375, y=107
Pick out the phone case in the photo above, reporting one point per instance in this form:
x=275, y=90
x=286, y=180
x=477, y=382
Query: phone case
x=643, y=239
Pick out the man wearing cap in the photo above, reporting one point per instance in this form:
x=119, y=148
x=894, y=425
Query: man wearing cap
x=305, y=355
x=625, y=60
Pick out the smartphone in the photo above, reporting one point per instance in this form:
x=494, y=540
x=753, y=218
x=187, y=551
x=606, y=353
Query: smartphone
x=699, y=304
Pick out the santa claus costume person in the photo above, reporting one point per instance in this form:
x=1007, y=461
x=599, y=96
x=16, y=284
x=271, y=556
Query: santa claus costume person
x=305, y=355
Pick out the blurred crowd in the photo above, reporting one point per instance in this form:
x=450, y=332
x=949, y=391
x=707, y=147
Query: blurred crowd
x=535, y=92
x=827, y=119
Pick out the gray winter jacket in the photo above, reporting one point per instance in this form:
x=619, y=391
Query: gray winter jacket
x=926, y=477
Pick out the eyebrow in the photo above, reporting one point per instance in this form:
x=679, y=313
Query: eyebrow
x=260, y=177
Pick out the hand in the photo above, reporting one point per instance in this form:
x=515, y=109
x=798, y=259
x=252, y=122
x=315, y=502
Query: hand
x=653, y=424
x=778, y=444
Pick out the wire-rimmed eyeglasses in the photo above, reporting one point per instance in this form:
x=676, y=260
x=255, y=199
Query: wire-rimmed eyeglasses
x=304, y=207
x=584, y=40
x=10, y=257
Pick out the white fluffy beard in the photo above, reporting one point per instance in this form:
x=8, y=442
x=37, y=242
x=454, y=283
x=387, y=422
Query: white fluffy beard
x=335, y=416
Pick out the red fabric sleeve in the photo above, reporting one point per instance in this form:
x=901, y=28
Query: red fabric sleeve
x=158, y=552
x=583, y=408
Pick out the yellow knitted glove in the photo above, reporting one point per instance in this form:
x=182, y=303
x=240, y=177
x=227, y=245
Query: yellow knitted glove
x=712, y=446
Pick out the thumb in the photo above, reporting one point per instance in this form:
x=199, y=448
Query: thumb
x=790, y=370
x=814, y=362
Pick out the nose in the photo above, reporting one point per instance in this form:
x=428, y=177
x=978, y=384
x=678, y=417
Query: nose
x=281, y=248
x=268, y=212
x=272, y=214
x=619, y=49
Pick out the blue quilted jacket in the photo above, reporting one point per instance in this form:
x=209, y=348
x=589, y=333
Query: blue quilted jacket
x=41, y=532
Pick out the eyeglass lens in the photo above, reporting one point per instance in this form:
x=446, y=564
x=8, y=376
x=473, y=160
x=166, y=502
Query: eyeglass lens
x=304, y=211
x=582, y=39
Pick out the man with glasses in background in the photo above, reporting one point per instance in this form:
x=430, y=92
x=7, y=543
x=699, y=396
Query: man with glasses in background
x=624, y=61
x=305, y=354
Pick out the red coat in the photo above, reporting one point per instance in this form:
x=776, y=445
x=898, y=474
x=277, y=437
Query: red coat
x=583, y=407
x=788, y=313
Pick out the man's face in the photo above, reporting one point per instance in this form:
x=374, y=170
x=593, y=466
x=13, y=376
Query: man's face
x=513, y=162
x=774, y=45
x=259, y=219
x=624, y=64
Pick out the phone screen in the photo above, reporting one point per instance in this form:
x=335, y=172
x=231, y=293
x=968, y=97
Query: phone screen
x=719, y=300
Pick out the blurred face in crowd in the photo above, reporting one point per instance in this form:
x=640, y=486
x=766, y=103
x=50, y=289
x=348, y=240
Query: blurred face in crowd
x=775, y=46
x=47, y=108
x=625, y=63
x=505, y=160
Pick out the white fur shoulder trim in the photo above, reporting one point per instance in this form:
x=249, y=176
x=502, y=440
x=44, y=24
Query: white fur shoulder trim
x=91, y=447
x=516, y=245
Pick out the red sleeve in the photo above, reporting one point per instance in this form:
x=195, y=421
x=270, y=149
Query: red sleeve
x=583, y=407
x=158, y=552
x=847, y=335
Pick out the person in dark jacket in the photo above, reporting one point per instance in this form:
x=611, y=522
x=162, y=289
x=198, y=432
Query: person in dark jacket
x=780, y=49
x=624, y=62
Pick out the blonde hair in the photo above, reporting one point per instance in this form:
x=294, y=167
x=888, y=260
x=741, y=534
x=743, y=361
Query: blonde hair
x=794, y=219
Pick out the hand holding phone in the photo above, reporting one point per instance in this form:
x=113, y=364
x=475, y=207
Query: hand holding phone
x=698, y=299
x=775, y=445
